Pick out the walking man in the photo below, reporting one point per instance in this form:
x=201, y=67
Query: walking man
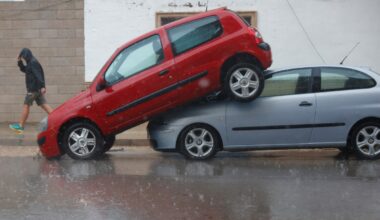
x=35, y=86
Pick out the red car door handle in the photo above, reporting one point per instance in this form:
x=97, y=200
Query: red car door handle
x=163, y=72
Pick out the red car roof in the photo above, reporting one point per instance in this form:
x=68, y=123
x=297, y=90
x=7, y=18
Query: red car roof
x=194, y=17
x=173, y=24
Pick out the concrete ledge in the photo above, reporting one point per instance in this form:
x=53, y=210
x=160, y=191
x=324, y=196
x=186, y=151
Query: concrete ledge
x=30, y=142
x=134, y=137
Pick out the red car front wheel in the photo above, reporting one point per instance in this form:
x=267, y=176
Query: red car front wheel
x=83, y=141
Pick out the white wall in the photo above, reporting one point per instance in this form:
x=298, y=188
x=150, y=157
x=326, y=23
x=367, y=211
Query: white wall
x=334, y=26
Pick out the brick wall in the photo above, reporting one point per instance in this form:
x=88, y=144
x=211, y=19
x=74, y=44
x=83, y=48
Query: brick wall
x=53, y=30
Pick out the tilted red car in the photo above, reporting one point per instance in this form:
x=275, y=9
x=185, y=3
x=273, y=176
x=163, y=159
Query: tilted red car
x=172, y=65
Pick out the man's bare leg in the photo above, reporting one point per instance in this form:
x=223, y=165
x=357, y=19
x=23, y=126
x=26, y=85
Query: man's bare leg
x=24, y=115
x=46, y=108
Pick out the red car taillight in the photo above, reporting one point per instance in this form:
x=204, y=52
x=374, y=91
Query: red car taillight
x=258, y=36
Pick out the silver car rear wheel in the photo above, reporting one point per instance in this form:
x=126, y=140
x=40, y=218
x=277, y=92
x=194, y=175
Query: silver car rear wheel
x=368, y=141
x=199, y=142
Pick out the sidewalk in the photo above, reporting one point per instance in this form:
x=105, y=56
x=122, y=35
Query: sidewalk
x=133, y=137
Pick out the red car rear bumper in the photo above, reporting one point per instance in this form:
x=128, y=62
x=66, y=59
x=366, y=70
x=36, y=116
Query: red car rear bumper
x=265, y=55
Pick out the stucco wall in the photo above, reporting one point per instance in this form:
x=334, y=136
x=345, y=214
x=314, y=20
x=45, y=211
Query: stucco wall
x=334, y=26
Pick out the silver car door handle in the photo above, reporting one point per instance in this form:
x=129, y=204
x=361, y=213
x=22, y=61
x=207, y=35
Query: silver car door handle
x=305, y=104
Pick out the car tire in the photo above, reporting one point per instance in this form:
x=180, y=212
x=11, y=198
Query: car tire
x=244, y=82
x=108, y=142
x=83, y=141
x=199, y=142
x=366, y=140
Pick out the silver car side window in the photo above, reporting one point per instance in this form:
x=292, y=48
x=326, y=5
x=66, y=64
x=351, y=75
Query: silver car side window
x=333, y=79
x=291, y=82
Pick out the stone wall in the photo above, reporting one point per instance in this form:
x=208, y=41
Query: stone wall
x=53, y=30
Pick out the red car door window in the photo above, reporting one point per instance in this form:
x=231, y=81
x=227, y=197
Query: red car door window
x=134, y=59
x=192, y=34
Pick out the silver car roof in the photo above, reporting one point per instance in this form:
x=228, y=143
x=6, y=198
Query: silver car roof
x=201, y=109
x=367, y=70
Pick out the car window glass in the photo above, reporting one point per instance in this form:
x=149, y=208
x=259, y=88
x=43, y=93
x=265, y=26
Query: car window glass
x=192, y=34
x=135, y=58
x=340, y=79
x=288, y=83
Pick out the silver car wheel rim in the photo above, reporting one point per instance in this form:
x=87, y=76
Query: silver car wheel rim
x=368, y=141
x=199, y=142
x=244, y=82
x=82, y=142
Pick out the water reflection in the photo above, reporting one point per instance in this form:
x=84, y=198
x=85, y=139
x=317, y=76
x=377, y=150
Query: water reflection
x=237, y=186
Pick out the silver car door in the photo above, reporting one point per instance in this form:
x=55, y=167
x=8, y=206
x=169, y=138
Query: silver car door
x=282, y=116
x=343, y=98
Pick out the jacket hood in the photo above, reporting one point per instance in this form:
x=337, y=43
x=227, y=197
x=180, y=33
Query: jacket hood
x=26, y=53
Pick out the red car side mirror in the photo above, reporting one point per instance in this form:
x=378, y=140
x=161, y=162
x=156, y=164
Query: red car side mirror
x=102, y=84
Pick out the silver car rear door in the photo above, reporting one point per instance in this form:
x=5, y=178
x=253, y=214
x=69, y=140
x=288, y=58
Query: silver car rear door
x=344, y=96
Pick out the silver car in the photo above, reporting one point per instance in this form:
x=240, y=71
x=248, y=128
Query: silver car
x=303, y=107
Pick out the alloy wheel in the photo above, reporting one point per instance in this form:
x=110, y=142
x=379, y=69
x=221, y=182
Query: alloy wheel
x=82, y=142
x=368, y=141
x=199, y=142
x=244, y=82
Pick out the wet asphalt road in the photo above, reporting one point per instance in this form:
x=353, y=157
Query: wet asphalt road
x=141, y=184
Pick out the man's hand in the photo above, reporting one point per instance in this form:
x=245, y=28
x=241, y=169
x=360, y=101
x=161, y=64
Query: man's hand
x=43, y=90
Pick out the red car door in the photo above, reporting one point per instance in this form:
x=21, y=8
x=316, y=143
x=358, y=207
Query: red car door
x=140, y=82
x=197, y=49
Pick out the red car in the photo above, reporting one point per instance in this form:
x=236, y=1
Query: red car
x=172, y=65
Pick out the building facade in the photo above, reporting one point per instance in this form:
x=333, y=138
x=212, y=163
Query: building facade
x=74, y=38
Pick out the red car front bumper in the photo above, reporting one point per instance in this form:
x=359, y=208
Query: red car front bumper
x=48, y=143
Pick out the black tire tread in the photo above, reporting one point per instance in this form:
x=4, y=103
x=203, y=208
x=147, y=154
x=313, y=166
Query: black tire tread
x=109, y=141
x=230, y=71
x=99, y=141
x=359, y=154
x=181, y=141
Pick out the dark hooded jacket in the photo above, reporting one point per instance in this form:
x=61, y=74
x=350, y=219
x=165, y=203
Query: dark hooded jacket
x=34, y=74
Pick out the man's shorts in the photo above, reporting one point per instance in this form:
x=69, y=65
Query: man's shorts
x=34, y=96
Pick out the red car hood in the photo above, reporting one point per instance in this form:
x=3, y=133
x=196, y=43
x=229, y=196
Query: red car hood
x=75, y=103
